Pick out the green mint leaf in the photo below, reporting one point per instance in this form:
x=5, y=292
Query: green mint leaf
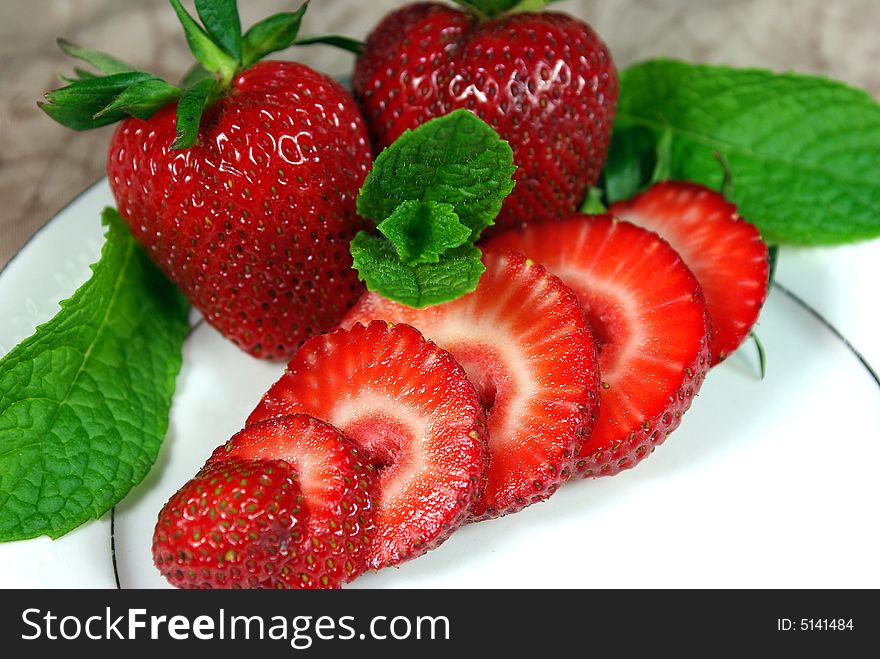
x=433, y=191
x=593, y=203
x=726, y=187
x=84, y=401
x=804, y=151
x=207, y=51
x=106, y=64
x=379, y=266
x=143, y=99
x=422, y=231
x=457, y=159
x=189, y=112
x=631, y=161
x=220, y=18
x=336, y=40
x=663, y=168
x=77, y=104
x=270, y=35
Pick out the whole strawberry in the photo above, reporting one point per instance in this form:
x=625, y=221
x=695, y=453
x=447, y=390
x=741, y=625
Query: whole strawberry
x=543, y=80
x=241, y=182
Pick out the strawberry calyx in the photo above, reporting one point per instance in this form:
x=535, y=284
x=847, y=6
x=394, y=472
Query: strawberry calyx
x=119, y=90
x=489, y=9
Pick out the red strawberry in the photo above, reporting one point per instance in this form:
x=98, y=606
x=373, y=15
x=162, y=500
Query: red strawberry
x=412, y=412
x=249, y=207
x=253, y=222
x=523, y=341
x=725, y=253
x=650, y=323
x=234, y=525
x=336, y=486
x=544, y=81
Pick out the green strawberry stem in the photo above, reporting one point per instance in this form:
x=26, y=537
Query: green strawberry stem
x=207, y=51
x=101, y=61
x=221, y=51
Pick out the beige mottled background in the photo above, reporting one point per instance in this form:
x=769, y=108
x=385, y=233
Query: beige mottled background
x=43, y=166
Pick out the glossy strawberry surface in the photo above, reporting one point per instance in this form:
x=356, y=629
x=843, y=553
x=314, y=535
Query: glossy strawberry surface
x=544, y=81
x=252, y=222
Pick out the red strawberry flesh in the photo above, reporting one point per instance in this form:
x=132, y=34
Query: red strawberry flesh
x=725, y=253
x=336, y=485
x=650, y=322
x=413, y=414
x=523, y=341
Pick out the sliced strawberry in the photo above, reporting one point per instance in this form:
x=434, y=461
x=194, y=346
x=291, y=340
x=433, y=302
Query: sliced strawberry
x=234, y=525
x=412, y=412
x=523, y=341
x=336, y=484
x=650, y=323
x=725, y=253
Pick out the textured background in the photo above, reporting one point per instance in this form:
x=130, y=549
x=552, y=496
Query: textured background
x=43, y=166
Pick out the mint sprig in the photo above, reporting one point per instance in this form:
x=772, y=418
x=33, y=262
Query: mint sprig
x=457, y=159
x=84, y=401
x=432, y=193
x=456, y=273
x=631, y=160
x=422, y=231
x=803, y=151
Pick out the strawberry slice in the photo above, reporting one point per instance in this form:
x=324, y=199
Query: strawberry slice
x=234, y=525
x=410, y=409
x=647, y=313
x=725, y=253
x=336, y=483
x=523, y=341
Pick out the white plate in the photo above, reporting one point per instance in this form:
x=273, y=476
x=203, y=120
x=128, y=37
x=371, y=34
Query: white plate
x=766, y=484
